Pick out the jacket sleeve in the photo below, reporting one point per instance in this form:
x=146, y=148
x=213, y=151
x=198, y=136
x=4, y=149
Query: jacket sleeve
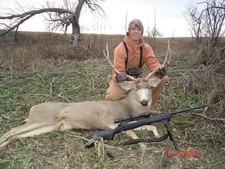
x=119, y=58
x=150, y=60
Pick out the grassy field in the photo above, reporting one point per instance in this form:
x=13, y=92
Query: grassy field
x=30, y=75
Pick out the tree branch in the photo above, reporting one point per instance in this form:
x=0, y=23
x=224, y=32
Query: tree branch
x=21, y=18
x=209, y=118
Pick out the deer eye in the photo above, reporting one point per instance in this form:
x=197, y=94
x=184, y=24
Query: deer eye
x=135, y=89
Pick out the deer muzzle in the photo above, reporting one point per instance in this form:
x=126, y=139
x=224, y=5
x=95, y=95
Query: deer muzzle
x=144, y=103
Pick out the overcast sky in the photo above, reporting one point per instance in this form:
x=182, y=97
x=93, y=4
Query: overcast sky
x=169, y=14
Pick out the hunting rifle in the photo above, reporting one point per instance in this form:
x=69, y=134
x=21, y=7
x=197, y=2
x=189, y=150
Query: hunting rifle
x=133, y=122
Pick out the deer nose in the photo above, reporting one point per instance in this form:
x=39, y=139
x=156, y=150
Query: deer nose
x=144, y=103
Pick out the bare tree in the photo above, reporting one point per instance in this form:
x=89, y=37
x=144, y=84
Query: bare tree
x=154, y=32
x=209, y=21
x=194, y=20
x=59, y=18
x=208, y=25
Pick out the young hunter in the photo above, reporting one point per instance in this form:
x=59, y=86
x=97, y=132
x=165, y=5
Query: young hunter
x=129, y=58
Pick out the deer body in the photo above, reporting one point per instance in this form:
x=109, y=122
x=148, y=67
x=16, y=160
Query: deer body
x=57, y=116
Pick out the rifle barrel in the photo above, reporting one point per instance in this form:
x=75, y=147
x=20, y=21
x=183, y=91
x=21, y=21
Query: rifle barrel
x=189, y=109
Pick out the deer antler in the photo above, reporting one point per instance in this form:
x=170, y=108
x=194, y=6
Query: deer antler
x=108, y=59
x=106, y=54
x=166, y=61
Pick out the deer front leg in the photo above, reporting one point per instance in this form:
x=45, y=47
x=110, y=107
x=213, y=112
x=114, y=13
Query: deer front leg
x=133, y=135
x=149, y=128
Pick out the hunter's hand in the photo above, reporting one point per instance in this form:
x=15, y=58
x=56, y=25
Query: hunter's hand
x=161, y=72
x=120, y=78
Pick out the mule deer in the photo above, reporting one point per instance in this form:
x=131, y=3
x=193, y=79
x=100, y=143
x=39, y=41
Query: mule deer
x=56, y=116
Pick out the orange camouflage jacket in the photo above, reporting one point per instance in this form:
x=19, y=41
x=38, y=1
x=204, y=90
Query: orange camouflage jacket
x=148, y=56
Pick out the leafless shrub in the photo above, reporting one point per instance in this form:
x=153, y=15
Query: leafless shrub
x=206, y=81
x=208, y=55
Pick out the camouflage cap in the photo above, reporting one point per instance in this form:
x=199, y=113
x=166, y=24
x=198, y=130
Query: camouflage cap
x=136, y=22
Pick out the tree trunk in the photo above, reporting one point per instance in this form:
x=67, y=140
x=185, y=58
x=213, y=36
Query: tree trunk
x=75, y=37
x=75, y=24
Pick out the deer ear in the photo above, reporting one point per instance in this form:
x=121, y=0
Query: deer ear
x=153, y=82
x=126, y=85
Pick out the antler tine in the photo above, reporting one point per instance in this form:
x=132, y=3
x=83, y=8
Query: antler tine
x=150, y=74
x=106, y=54
x=108, y=59
x=168, y=56
x=166, y=61
x=131, y=77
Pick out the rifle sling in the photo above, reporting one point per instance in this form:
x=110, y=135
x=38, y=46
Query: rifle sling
x=150, y=140
x=159, y=139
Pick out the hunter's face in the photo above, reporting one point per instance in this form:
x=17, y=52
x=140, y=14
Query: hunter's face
x=135, y=34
